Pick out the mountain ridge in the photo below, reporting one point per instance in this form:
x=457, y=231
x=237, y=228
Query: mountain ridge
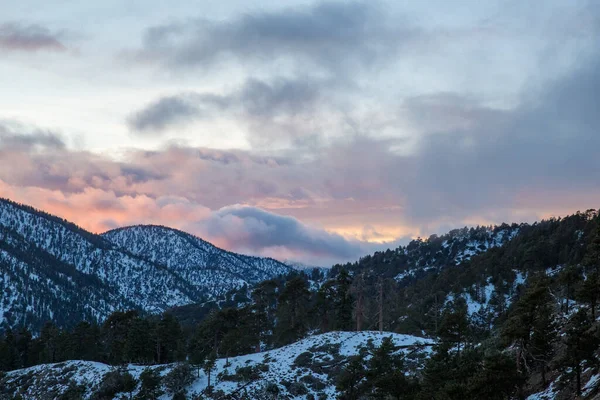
x=37, y=244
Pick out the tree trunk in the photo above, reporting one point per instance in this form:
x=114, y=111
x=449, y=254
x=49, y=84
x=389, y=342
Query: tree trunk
x=578, y=371
x=359, y=308
x=380, y=306
x=544, y=375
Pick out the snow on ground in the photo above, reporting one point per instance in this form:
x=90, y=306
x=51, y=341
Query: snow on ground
x=281, y=361
x=548, y=394
x=316, y=374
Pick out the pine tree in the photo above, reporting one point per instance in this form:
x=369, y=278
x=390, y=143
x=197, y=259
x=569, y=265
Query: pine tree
x=9, y=355
x=264, y=306
x=569, y=278
x=325, y=298
x=168, y=339
x=497, y=378
x=581, y=342
x=139, y=347
x=209, y=366
x=385, y=375
x=150, y=385
x=292, y=311
x=179, y=378
x=115, y=331
x=530, y=327
x=592, y=254
x=589, y=292
x=454, y=326
x=129, y=383
x=343, y=302
x=350, y=382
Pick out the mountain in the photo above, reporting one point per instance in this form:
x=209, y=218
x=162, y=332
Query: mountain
x=484, y=267
x=54, y=270
x=209, y=269
x=308, y=368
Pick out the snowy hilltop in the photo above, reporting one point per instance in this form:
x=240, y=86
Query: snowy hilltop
x=308, y=368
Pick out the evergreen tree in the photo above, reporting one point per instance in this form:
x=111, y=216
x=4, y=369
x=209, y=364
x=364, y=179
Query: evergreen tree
x=73, y=392
x=139, y=347
x=385, y=375
x=168, y=339
x=9, y=354
x=569, y=279
x=497, y=378
x=84, y=342
x=50, y=342
x=23, y=344
x=150, y=385
x=209, y=366
x=264, y=306
x=177, y=380
x=129, y=383
x=115, y=332
x=530, y=327
x=589, y=292
x=292, y=311
x=592, y=254
x=454, y=325
x=343, y=302
x=581, y=342
x=350, y=382
x=324, y=311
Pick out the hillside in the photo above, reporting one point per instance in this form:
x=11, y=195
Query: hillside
x=210, y=269
x=54, y=270
x=307, y=367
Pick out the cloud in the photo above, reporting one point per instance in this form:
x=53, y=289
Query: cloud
x=334, y=36
x=249, y=230
x=260, y=231
x=16, y=136
x=164, y=113
x=470, y=163
x=16, y=36
x=493, y=159
x=277, y=111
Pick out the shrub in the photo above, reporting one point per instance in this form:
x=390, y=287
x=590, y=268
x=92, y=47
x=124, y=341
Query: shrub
x=150, y=388
x=114, y=382
x=303, y=360
x=179, y=378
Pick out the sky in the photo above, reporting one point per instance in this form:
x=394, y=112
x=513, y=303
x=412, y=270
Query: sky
x=314, y=131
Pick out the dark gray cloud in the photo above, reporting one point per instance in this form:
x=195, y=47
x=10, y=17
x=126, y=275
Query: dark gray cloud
x=164, y=113
x=253, y=229
x=29, y=37
x=16, y=136
x=333, y=35
x=495, y=159
x=267, y=110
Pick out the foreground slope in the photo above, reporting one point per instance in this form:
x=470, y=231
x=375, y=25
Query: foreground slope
x=307, y=367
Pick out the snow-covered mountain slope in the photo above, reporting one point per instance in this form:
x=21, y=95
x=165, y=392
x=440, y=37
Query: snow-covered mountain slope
x=308, y=367
x=208, y=268
x=51, y=269
x=452, y=248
